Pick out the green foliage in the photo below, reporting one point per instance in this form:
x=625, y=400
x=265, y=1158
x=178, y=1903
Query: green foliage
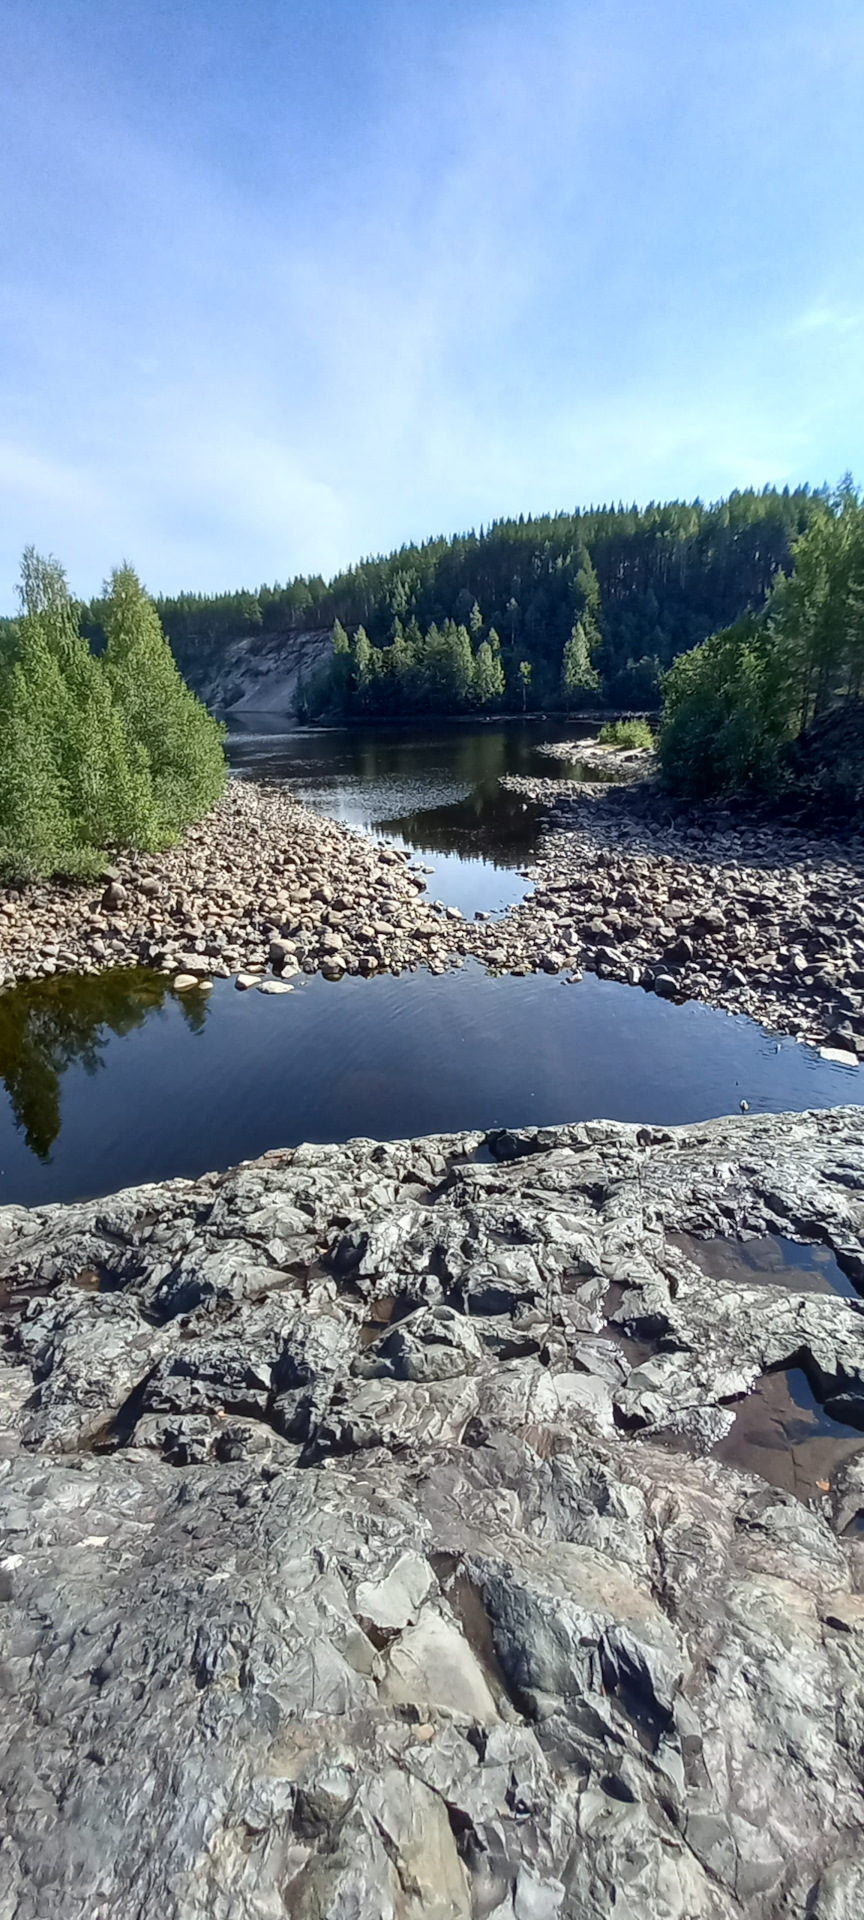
x=170, y=735
x=727, y=715
x=626, y=733
x=489, y=682
x=578, y=675
x=432, y=672
x=646, y=584
x=95, y=752
x=734, y=705
x=817, y=615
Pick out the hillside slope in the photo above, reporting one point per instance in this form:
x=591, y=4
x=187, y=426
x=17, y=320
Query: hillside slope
x=261, y=673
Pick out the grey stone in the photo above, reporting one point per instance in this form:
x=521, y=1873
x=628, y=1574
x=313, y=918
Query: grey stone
x=437, y=1626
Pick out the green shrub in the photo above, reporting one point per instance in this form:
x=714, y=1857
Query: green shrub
x=626, y=733
x=727, y=715
x=94, y=753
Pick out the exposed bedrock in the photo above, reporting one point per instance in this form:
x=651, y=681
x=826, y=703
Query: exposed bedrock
x=364, y=1551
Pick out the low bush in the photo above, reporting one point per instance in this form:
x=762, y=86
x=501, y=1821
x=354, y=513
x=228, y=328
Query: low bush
x=626, y=733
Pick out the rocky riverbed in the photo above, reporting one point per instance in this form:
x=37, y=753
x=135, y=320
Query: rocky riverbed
x=757, y=919
x=608, y=762
x=347, y=1569
x=261, y=884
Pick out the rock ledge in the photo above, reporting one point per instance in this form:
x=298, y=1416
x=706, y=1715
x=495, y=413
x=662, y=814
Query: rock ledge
x=347, y=1570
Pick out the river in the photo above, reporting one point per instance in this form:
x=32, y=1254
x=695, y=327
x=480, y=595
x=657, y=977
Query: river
x=113, y=1080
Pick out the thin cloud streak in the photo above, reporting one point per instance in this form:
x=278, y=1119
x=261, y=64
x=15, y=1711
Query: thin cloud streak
x=538, y=257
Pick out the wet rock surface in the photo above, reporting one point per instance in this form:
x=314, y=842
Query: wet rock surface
x=347, y=1568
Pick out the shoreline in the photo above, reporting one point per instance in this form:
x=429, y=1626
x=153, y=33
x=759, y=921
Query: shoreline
x=761, y=919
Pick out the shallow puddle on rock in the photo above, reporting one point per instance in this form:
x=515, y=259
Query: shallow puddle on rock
x=782, y=1433
x=769, y=1260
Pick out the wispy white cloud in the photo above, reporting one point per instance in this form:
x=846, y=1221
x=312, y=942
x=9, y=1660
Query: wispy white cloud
x=539, y=255
x=827, y=319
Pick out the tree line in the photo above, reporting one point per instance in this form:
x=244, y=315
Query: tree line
x=660, y=579
x=96, y=751
x=776, y=699
x=449, y=669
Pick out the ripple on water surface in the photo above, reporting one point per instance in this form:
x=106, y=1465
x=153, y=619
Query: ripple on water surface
x=111, y=1080
x=434, y=791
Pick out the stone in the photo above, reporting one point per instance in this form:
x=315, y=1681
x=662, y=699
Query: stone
x=274, y=986
x=391, y=1604
x=839, y=1894
x=184, y=982
x=431, y=1667
x=435, y=1623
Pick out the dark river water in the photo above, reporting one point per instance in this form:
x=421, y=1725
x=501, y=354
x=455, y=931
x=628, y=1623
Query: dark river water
x=436, y=793
x=114, y=1080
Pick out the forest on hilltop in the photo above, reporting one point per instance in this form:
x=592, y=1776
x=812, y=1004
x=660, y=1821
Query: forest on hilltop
x=645, y=584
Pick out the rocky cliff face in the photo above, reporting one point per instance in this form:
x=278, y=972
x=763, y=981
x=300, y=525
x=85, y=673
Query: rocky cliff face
x=262, y=674
x=349, y=1566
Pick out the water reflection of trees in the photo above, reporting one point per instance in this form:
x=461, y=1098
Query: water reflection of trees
x=48, y=1025
x=501, y=826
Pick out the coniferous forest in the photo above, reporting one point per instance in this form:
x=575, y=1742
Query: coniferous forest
x=595, y=605
x=741, y=623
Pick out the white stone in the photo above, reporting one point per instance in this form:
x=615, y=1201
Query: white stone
x=392, y=1603
x=431, y=1665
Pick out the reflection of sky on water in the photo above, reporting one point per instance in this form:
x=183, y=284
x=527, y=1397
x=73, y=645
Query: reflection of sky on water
x=435, y=793
x=191, y=1082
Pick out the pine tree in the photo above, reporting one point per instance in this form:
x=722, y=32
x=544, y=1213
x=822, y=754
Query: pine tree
x=577, y=673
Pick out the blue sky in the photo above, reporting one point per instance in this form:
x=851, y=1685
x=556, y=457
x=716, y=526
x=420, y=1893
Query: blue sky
x=284, y=284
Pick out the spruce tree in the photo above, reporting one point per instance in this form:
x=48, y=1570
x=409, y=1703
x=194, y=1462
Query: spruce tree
x=488, y=675
x=173, y=741
x=577, y=673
